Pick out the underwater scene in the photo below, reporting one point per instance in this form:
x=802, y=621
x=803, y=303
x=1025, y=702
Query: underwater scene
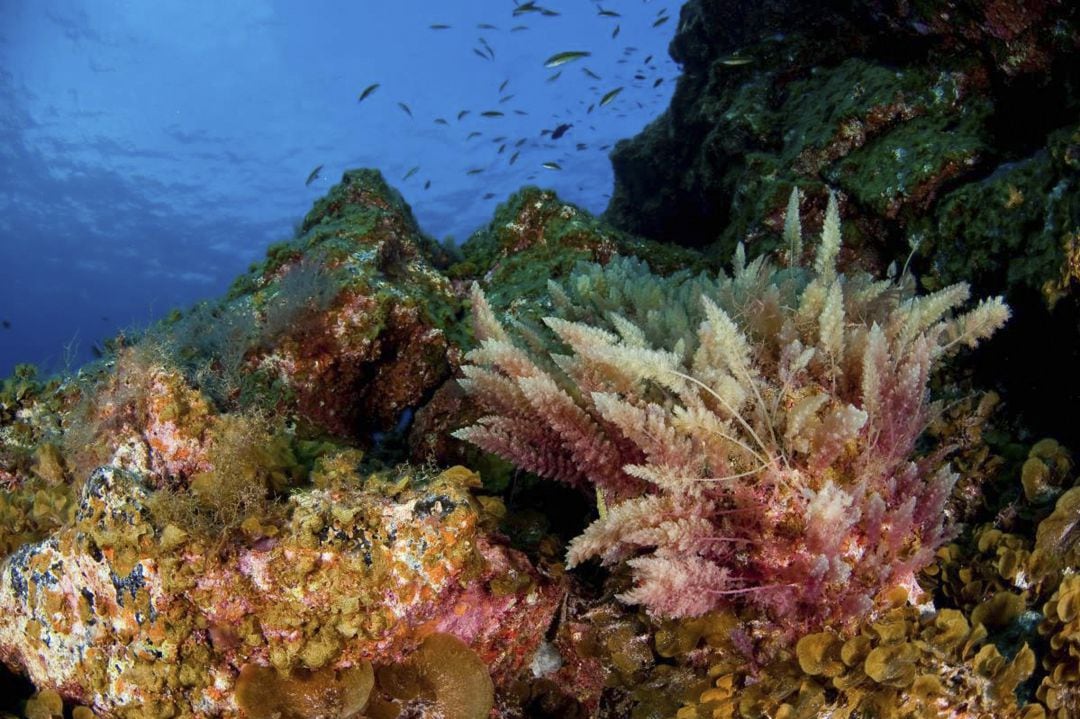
x=499, y=359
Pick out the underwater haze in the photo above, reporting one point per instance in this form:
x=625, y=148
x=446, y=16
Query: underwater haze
x=152, y=151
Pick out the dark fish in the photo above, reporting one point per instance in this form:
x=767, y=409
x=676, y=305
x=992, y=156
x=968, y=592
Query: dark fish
x=489, y=195
x=660, y=21
x=367, y=91
x=514, y=157
x=474, y=133
x=581, y=146
x=591, y=107
x=519, y=28
x=590, y=73
x=560, y=131
x=647, y=58
x=486, y=26
x=508, y=98
x=410, y=173
x=561, y=58
x=405, y=108
x=439, y=26
x=639, y=76
x=441, y=121
x=658, y=81
x=545, y=132
x=480, y=53
x=548, y=13
x=462, y=114
x=500, y=138
x=520, y=142
x=6, y=324
x=526, y=7
x=501, y=148
x=520, y=112
x=503, y=85
x=313, y=176
x=615, y=32
x=488, y=48
x=427, y=185
x=606, y=13
x=474, y=171
x=491, y=113
x=555, y=77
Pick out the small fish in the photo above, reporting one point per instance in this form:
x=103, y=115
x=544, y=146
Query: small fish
x=474, y=133
x=544, y=133
x=615, y=32
x=514, y=157
x=491, y=113
x=548, y=13
x=581, y=146
x=439, y=26
x=526, y=7
x=639, y=76
x=660, y=21
x=519, y=28
x=591, y=107
x=507, y=98
x=503, y=85
x=555, y=77
x=488, y=48
x=590, y=73
x=486, y=26
x=501, y=148
x=427, y=185
x=520, y=112
x=474, y=171
x=489, y=195
x=405, y=108
x=561, y=58
x=657, y=82
x=410, y=173
x=367, y=92
x=6, y=324
x=480, y=53
x=647, y=58
x=551, y=166
x=441, y=121
x=606, y=13
x=500, y=138
x=560, y=131
x=609, y=96
x=313, y=176
x=462, y=114
x=736, y=61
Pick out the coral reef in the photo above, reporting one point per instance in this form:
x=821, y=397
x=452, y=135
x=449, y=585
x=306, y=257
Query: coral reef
x=802, y=500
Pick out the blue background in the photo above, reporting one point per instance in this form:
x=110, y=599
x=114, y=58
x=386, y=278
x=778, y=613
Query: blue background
x=150, y=151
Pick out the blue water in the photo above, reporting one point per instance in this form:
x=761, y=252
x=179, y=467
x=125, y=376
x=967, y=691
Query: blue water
x=149, y=151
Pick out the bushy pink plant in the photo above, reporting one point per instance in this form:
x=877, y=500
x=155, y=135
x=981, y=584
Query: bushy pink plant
x=770, y=461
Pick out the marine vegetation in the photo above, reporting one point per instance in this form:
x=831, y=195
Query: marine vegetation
x=751, y=438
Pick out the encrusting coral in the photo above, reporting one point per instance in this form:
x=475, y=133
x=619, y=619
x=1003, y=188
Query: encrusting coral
x=767, y=456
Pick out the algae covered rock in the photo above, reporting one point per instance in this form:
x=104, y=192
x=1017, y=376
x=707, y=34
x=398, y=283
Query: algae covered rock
x=110, y=614
x=345, y=326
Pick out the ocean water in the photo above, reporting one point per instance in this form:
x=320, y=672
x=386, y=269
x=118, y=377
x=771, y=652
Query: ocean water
x=149, y=151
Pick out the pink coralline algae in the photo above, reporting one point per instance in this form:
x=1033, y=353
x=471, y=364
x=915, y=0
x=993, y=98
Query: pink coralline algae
x=766, y=457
